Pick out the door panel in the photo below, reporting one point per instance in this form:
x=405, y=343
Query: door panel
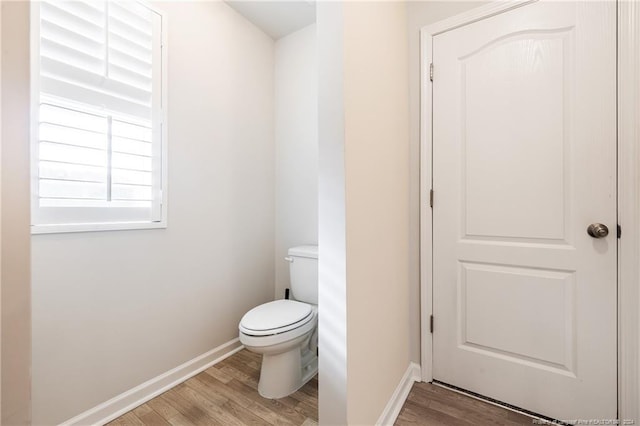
x=502, y=154
x=524, y=149
x=519, y=290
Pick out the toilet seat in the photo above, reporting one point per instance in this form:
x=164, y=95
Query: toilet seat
x=276, y=317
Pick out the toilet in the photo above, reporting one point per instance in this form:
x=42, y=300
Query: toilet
x=284, y=331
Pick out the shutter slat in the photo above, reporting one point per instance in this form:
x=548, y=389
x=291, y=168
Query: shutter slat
x=72, y=179
x=92, y=7
x=131, y=177
x=71, y=202
x=71, y=154
x=72, y=136
x=131, y=78
x=135, y=8
x=131, y=131
x=69, y=189
x=78, y=23
x=129, y=62
x=131, y=162
x=141, y=35
x=131, y=192
x=54, y=53
x=142, y=77
x=92, y=11
x=72, y=118
x=76, y=172
x=131, y=146
x=122, y=44
x=135, y=15
x=79, y=41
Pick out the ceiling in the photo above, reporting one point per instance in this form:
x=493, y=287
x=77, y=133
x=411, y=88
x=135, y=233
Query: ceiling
x=277, y=18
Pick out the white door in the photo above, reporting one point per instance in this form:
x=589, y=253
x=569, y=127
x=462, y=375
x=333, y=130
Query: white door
x=524, y=160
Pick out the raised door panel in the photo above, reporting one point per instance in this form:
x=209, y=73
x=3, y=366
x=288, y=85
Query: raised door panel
x=516, y=107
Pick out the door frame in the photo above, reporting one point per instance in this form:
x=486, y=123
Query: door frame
x=628, y=187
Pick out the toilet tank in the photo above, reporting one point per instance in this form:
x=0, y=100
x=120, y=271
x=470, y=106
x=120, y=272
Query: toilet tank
x=303, y=271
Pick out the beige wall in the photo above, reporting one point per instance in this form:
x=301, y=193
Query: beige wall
x=364, y=208
x=15, y=237
x=420, y=14
x=114, y=309
x=296, y=126
x=377, y=199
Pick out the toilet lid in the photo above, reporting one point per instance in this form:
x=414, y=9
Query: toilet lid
x=274, y=315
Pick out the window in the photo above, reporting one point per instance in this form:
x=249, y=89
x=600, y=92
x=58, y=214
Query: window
x=98, y=145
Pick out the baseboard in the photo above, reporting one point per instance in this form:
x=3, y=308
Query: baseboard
x=391, y=411
x=126, y=401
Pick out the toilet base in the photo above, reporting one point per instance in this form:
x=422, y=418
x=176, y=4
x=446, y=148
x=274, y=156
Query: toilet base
x=283, y=374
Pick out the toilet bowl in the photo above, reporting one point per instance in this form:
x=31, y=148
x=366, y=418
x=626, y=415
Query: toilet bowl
x=284, y=331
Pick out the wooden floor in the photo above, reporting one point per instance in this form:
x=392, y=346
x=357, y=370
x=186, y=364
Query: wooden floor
x=429, y=404
x=226, y=394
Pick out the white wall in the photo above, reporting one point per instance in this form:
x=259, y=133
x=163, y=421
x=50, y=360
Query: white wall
x=114, y=309
x=15, y=239
x=296, y=126
x=332, y=268
x=420, y=14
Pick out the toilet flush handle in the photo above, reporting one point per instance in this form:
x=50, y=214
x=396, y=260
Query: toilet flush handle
x=289, y=259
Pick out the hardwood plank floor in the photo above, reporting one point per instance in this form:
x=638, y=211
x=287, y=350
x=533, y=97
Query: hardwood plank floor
x=227, y=395
x=429, y=405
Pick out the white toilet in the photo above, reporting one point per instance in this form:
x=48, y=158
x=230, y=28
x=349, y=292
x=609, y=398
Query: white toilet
x=285, y=331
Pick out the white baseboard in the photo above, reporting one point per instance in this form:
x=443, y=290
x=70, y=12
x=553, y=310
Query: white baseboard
x=391, y=411
x=126, y=401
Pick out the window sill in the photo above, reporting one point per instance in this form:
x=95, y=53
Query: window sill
x=95, y=227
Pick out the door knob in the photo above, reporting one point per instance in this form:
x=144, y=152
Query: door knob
x=598, y=230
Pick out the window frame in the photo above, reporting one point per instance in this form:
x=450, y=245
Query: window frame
x=159, y=125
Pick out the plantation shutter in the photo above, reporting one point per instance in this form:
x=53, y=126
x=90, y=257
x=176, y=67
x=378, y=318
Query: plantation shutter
x=99, y=113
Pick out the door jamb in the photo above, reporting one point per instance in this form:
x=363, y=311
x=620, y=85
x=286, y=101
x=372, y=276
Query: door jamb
x=628, y=192
x=628, y=209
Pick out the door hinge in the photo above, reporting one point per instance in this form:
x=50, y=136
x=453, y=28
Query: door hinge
x=431, y=324
x=431, y=198
x=431, y=71
x=619, y=231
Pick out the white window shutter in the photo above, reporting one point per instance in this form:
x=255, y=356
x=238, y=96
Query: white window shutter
x=98, y=148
